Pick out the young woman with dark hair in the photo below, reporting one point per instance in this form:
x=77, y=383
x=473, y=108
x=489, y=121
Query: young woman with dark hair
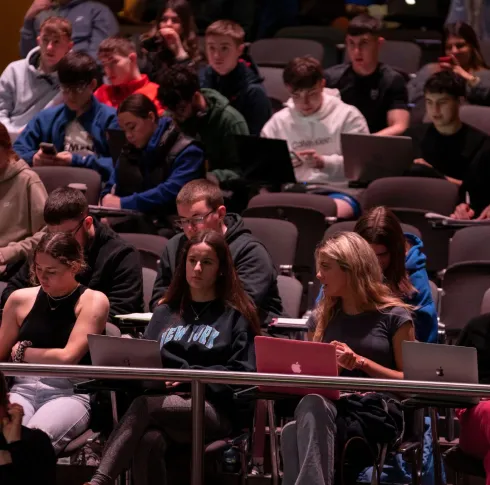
x=156, y=162
x=22, y=196
x=205, y=321
x=464, y=57
x=49, y=324
x=171, y=40
x=26, y=455
x=403, y=264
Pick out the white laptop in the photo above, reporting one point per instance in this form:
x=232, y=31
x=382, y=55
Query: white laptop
x=441, y=363
x=124, y=352
x=368, y=157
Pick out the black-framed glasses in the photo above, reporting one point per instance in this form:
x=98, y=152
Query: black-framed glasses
x=194, y=221
x=74, y=89
x=72, y=232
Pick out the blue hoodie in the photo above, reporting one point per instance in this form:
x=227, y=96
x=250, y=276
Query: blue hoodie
x=425, y=320
x=188, y=165
x=49, y=126
x=425, y=313
x=92, y=22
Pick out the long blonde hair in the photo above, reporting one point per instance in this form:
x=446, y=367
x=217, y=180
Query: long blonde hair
x=355, y=256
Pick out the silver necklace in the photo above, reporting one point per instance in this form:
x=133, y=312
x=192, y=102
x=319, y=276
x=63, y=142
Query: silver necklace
x=59, y=298
x=198, y=315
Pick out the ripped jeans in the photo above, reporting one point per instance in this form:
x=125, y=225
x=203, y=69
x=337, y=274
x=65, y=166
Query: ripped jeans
x=51, y=406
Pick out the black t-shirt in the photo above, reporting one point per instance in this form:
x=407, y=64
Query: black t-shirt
x=450, y=155
x=374, y=95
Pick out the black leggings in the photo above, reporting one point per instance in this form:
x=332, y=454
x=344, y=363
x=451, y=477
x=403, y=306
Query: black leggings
x=144, y=434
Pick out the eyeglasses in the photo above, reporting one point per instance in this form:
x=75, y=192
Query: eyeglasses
x=74, y=231
x=74, y=89
x=182, y=222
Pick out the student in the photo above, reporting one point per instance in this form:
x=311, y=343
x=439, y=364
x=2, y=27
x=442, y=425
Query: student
x=26, y=455
x=154, y=165
x=465, y=60
x=30, y=85
x=205, y=299
x=234, y=77
x=118, y=57
x=112, y=266
x=311, y=123
x=206, y=115
x=474, y=438
x=171, y=40
x=77, y=128
x=92, y=22
x=377, y=90
x=403, y=264
x=200, y=206
x=22, y=197
x=367, y=324
x=49, y=324
x=448, y=148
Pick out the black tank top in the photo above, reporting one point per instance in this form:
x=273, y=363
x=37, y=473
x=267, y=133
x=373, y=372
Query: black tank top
x=50, y=322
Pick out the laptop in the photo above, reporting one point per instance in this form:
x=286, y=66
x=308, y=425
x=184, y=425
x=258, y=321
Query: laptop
x=415, y=8
x=116, y=140
x=296, y=357
x=124, y=352
x=441, y=363
x=264, y=160
x=368, y=157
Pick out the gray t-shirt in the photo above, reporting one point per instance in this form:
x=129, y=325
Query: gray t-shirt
x=368, y=334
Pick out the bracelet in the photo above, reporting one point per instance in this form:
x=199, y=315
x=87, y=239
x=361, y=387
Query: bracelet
x=21, y=349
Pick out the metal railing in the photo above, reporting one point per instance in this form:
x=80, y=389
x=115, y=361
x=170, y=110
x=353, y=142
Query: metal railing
x=199, y=378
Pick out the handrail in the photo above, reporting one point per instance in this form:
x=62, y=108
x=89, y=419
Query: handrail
x=246, y=378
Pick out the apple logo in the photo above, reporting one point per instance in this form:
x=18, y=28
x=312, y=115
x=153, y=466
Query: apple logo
x=296, y=368
x=440, y=372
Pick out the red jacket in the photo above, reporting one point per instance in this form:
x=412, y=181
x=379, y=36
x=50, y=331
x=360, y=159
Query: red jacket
x=115, y=95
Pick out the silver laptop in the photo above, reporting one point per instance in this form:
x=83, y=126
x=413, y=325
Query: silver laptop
x=441, y=363
x=124, y=352
x=369, y=157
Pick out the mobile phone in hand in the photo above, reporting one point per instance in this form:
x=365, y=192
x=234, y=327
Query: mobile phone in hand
x=48, y=149
x=446, y=60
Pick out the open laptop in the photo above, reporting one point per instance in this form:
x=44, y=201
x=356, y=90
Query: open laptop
x=368, y=157
x=283, y=356
x=264, y=160
x=414, y=8
x=124, y=352
x=116, y=140
x=441, y=363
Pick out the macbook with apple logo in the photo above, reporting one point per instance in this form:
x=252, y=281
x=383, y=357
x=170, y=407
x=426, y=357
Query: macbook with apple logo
x=296, y=357
x=441, y=363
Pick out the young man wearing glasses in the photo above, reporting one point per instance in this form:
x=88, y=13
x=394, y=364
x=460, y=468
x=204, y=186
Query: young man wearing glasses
x=200, y=206
x=29, y=85
x=72, y=134
x=112, y=265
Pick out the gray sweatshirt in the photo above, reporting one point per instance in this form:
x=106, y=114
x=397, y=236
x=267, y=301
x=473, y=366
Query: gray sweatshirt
x=24, y=91
x=92, y=22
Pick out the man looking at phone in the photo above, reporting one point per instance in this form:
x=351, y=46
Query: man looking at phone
x=72, y=134
x=311, y=123
x=92, y=23
x=26, y=455
x=377, y=90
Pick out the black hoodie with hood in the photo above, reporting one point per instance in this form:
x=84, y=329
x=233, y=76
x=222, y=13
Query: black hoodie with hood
x=113, y=267
x=252, y=263
x=243, y=88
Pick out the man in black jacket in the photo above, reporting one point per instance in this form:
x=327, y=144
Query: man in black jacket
x=200, y=206
x=112, y=265
x=26, y=455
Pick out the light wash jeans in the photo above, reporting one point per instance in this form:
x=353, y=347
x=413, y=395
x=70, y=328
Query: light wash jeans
x=51, y=406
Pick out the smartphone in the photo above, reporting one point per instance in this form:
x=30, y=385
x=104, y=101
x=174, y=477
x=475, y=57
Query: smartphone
x=446, y=60
x=297, y=159
x=48, y=148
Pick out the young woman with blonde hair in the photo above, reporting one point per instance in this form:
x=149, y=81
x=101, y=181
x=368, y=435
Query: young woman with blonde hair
x=367, y=323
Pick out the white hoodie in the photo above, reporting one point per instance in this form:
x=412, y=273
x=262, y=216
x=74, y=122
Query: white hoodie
x=319, y=131
x=24, y=91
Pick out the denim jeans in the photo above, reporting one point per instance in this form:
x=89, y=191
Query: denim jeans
x=51, y=406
